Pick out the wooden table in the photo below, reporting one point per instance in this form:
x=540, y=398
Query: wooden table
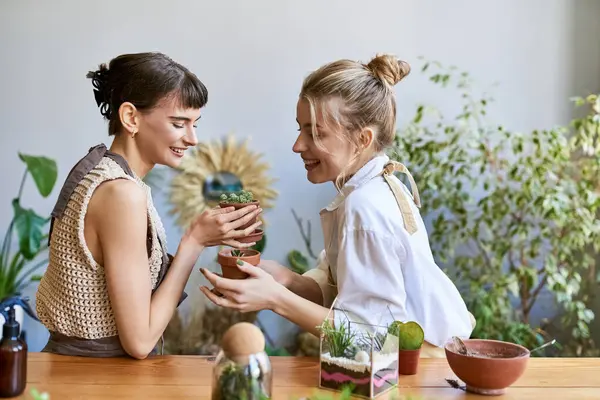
x=188, y=377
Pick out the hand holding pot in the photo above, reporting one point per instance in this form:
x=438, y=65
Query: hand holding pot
x=257, y=292
x=221, y=226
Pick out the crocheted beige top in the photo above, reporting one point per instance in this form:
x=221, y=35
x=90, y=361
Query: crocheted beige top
x=72, y=297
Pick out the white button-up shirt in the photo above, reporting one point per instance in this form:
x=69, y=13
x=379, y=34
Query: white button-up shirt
x=376, y=269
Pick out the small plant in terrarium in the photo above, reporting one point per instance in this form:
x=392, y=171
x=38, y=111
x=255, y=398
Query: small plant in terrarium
x=235, y=382
x=341, y=340
x=242, y=369
x=357, y=355
x=241, y=197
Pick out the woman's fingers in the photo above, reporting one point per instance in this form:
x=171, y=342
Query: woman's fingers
x=220, y=283
x=231, y=226
x=225, y=293
x=251, y=270
x=219, y=301
x=251, y=228
x=238, y=245
x=219, y=210
x=243, y=233
x=248, y=211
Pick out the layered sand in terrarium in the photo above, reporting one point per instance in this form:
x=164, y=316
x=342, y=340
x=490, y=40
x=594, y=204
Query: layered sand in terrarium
x=339, y=371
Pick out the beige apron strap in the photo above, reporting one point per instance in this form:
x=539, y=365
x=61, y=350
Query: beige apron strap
x=410, y=223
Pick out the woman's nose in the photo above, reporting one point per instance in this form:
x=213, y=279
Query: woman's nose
x=191, y=139
x=299, y=145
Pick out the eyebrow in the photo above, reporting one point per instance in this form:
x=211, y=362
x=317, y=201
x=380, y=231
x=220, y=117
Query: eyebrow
x=178, y=118
x=307, y=125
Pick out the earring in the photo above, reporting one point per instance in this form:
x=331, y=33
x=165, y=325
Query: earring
x=133, y=133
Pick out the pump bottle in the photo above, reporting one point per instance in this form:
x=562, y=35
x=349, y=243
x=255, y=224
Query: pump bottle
x=13, y=349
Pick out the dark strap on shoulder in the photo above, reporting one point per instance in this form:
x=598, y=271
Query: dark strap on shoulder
x=81, y=169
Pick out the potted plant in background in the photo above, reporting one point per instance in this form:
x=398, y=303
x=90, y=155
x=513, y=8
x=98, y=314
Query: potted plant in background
x=17, y=265
x=410, y=340
x=513, y=215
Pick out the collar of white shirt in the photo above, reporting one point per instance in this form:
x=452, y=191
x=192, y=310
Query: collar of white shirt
x=368, y=171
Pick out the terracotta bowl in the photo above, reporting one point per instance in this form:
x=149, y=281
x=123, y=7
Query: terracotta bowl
x=237, y=206
x=494, y=366
x=229, y=266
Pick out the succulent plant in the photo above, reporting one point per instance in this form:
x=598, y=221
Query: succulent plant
x=410, y=334
x=237, y=197
x=237, y=252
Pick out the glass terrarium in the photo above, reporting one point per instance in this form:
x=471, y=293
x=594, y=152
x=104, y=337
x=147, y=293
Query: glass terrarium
x=242, y=377
x=357, y=355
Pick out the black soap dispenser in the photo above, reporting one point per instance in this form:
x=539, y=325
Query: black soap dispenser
x=13, y=349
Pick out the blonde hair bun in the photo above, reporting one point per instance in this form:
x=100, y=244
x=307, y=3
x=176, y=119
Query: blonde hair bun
x=388, y=68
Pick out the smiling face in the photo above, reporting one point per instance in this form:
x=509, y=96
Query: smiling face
x=165, y=132
x=326, y=156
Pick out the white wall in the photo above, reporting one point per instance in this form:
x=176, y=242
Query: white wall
x=253, y=62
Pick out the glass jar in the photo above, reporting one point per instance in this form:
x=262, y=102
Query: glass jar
x=247, y=377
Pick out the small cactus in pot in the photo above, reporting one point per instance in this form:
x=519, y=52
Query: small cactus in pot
x=410, y=340
x=234, y=198
x=239, y=200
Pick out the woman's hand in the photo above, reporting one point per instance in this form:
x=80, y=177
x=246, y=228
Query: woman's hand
x=261, y=292
x=219, y=226
x=257, y=292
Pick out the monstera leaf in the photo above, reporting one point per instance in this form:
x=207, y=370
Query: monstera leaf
x=43, y=170
x=29, y=226
x=16, y=266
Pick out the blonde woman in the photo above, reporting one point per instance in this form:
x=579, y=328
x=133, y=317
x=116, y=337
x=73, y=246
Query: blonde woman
x=377, y=261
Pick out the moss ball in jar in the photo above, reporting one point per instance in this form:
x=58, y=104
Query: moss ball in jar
x=242, y=369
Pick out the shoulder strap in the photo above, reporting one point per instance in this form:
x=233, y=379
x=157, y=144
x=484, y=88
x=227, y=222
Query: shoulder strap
x=410, y=222
x=81, y=169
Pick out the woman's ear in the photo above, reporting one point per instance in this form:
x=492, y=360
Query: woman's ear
x=128, y=115
x=366, y=138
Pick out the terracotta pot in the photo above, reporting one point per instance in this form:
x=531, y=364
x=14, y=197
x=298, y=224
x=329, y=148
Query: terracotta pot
x=408, y=361
x=496, y=366
x=229, y=266
x=254, y=237
x=237, y=206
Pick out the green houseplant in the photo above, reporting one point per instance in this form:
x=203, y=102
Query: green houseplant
x=512, y=214
x=19, y=263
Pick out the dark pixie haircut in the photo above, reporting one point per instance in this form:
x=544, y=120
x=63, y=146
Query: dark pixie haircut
x=144, y=79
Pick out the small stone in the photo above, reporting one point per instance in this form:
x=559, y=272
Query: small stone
x=362, y=357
